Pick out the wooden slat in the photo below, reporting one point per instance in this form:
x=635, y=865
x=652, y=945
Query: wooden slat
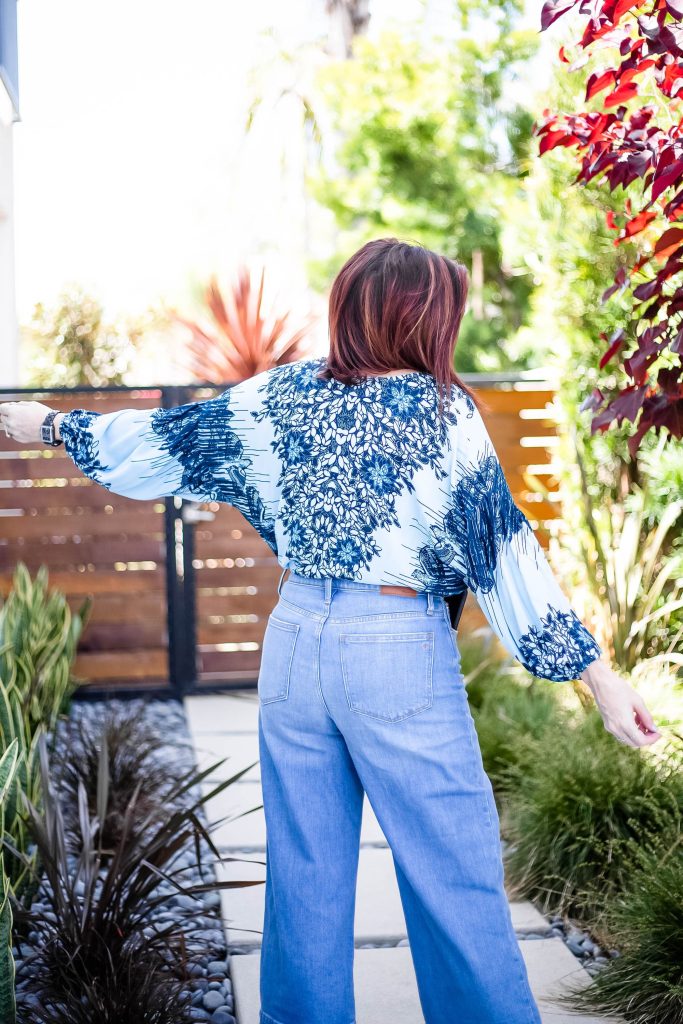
x=224, y=545
x=258, y=575
x=233, y=632
x=103, y=582
x=95, y=552
x=118, y=608
x=237, y=603
x=504, y=401
x=122, y=636
x=143, y=664
x=36, y=526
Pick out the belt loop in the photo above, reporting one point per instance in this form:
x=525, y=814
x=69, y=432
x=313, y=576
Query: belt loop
x=430, y=603
x=328, y=592
x=282, y=576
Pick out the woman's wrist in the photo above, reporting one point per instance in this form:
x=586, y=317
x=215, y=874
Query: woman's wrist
x=57, y=423
x=597, y=674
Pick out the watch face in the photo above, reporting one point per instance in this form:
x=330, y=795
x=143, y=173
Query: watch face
x=45, y=434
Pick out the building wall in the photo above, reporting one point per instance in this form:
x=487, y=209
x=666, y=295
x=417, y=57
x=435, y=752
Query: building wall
x=9, y=330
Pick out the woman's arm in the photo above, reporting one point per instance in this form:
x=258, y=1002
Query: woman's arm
x=506, y=568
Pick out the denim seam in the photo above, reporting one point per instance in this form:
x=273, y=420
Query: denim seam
x=322, y=620
x=288, y=627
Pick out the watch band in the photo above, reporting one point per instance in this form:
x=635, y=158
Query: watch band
x=47, y=430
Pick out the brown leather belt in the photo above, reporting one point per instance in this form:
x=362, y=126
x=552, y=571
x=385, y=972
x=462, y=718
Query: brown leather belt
x=389, y=588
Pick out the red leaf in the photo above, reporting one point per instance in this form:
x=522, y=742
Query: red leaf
x=668, y=243
x=621, y=95
x=636, y=224
x=675, y=8
x=620, y=9
x=671, y=176
x=627, y=405
x=596, y=83
x=553, y=139
x=554, y=9
x=611, y=224
x=616, y=342
x=646, y=290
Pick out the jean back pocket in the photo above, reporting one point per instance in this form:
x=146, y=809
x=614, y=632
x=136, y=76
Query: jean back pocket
x=277, y=652
x=388, y=676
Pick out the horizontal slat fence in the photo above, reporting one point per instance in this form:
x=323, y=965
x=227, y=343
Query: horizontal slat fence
x=93, y=543
x=115, y=549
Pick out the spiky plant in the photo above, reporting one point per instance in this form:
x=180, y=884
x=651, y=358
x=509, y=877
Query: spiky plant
x=8, y=767
x=100, y=955
x=123, y=745
x=244, y=338
x=38, y=638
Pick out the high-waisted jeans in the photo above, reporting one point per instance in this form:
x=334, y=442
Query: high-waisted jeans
x=362, y=691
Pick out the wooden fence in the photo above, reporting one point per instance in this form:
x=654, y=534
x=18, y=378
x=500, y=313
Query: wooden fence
x=179, y=600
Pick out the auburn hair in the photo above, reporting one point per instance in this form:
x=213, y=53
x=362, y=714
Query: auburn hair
x=397, y=305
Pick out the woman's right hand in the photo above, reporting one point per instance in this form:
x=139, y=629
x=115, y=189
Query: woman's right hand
x=623, y=710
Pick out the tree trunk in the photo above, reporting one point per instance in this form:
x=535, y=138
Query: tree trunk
x=348, y=18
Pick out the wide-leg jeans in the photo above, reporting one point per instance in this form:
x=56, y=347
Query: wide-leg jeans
x=361, y=690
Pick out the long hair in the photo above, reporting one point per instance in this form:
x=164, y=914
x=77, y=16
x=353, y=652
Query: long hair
x=397, y=305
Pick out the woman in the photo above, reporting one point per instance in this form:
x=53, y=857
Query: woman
x=371, y=474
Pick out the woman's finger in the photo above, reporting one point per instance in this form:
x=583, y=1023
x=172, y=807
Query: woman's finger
x=644, y=719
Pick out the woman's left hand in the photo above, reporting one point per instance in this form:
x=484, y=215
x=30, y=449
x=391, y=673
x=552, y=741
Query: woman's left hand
x=22, y=420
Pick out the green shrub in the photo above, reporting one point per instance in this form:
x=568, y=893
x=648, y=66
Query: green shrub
x=574, y=810
x=511, y=717
x=644, y=985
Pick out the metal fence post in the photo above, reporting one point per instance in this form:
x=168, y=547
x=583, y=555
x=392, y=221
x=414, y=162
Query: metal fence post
x=179, y=581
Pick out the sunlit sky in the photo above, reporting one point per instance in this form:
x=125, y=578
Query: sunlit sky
x=132, y=174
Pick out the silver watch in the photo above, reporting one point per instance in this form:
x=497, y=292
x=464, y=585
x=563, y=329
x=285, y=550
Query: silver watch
x=47, y=430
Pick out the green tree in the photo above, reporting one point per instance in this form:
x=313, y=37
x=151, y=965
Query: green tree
x=431, y=149
x=70, y=343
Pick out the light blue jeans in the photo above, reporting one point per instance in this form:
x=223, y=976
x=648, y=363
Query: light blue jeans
x=362, y=691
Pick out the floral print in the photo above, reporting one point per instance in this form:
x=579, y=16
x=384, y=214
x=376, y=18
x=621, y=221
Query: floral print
x=365, y=481
x=560, y=648
x=345, y=454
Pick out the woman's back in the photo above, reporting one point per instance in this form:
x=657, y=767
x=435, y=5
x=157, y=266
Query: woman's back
x=368, y=482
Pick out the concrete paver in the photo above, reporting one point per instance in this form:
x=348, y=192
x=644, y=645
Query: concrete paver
x=379, y=913
x=225, y=726
x=249, y=830
x=386, y=990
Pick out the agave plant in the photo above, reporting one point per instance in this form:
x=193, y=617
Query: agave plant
x=101, y=954
x=8, y=766
x=244, y=339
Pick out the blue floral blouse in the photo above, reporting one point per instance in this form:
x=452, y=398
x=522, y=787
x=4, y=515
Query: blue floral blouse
x=365, y=482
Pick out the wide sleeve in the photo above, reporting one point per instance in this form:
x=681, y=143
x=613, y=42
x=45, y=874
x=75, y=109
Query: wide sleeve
x=153, y=453
x=505, y=567
x=207, y=451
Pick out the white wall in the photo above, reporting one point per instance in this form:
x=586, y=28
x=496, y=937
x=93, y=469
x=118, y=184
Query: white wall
x=9, y=332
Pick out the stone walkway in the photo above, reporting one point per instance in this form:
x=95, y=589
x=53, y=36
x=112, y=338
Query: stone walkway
x=386, y=993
